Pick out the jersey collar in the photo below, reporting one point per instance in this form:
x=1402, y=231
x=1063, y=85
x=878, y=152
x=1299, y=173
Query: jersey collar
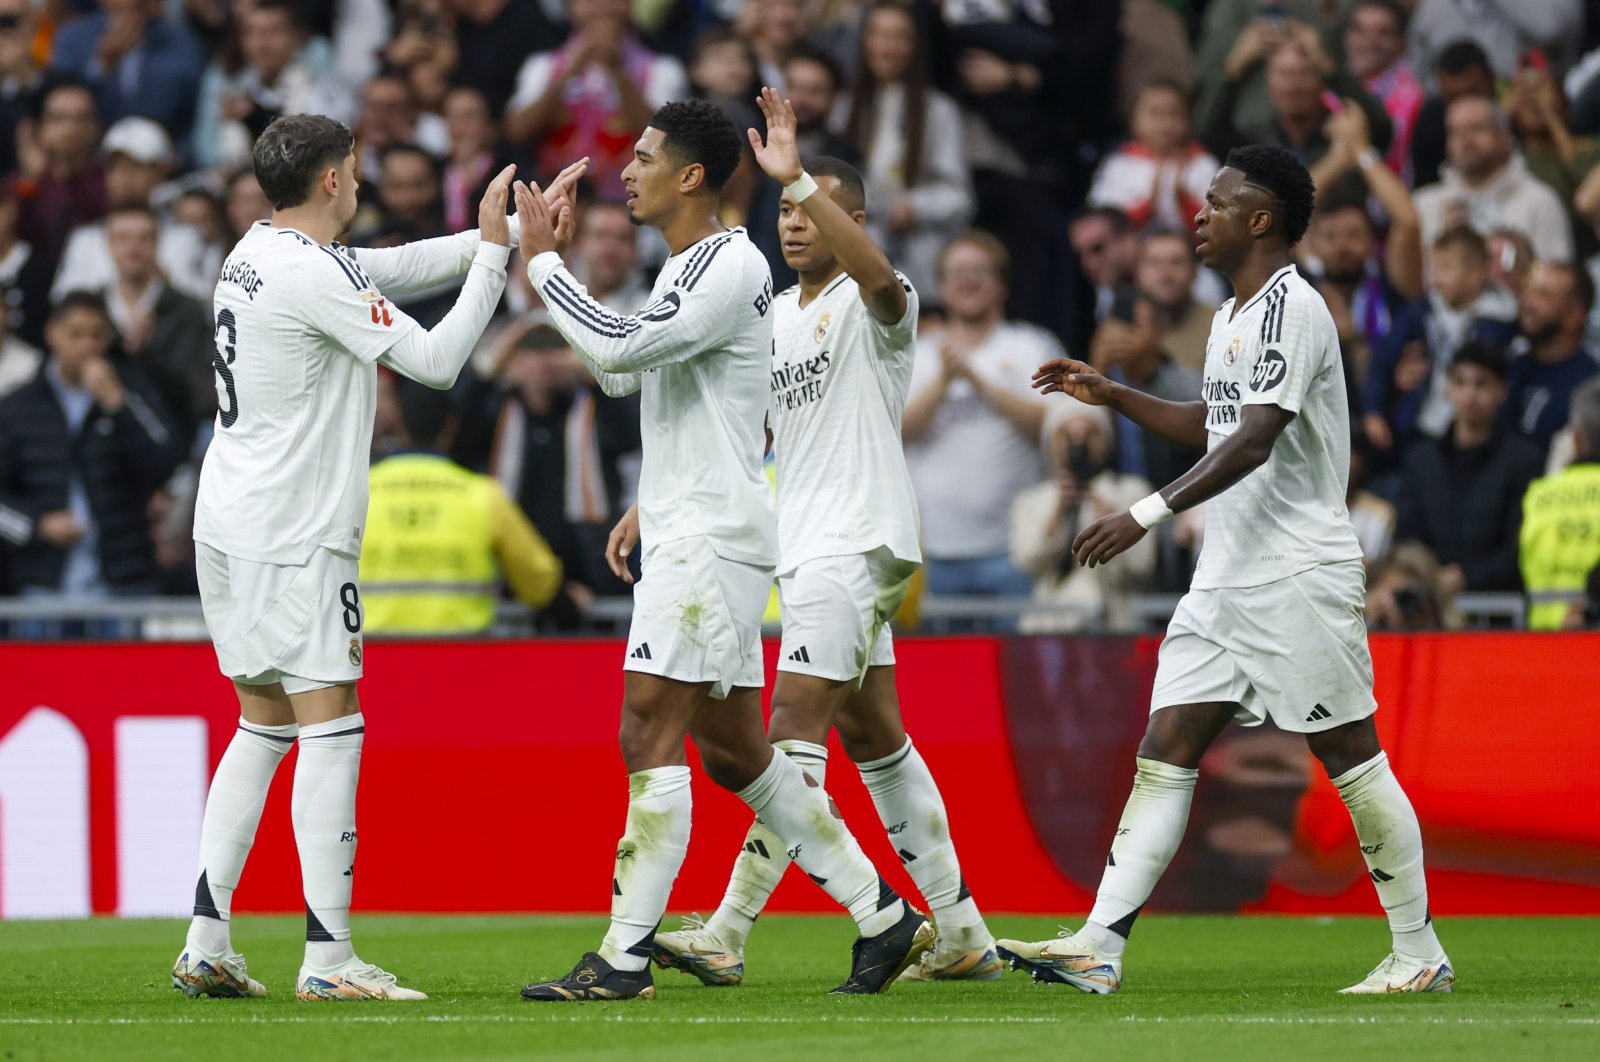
x=1266, y=289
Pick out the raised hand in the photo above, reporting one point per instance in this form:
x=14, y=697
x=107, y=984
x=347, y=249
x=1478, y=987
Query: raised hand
x=780, y=156
x=537, y=229
x=493, y=227
x=1074, y=379
x=566, y=182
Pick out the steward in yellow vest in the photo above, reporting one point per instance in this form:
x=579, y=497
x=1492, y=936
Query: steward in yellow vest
x=1561, y=518
x=439, y=537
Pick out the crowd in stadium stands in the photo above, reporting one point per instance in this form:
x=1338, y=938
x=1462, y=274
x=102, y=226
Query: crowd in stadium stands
x=1032, y=166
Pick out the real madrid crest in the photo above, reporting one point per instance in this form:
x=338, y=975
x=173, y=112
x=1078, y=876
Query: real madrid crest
x=821, y=331
x=355, y=652
x=1231, y=355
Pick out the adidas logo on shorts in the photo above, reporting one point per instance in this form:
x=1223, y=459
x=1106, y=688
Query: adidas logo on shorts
x=801, y=655
x=1318, y=714
x=642, y=653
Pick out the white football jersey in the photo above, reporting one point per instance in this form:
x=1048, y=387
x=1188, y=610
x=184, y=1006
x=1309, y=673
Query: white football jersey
x=1288, y=515
x=701, y=352
x=839, y=383
x=299, y=327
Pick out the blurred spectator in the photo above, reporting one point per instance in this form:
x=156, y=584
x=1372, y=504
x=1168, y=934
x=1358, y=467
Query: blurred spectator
x=1554, y=155
x=1161, y=173
x=201, y=209
x=1506, y=30
x=910, y=137
x=1236, y=39
x=972, y=423
x=82, y=449
x=1164, y=276
x=19, y=360
x=592, y=96
x=493, y=38
x=606, y=253
x=1084, y=486
x=424, y=49
x=408, y=205
x=138, y=60
x=1405, y=392
x=812, y=84
x=1462, y=71
x=389, y=116
x=1301, y=83
x=1551, y=359
x=236, y=104
x=22, y=82
x=722, y=69
x=62, y=184
x=774, y=29
x=1463, y=490
x=1373, y=516
x=538, y=424
x=1106, y=246
x=138, y=157
x=245, y=204
x=439, y=537
x=476, y=155
x=1510, y=260
x=1155, y=48
x=1487, y=185
x=1375, y=48
x=24, y=275
x=1584, y=613
x=1561, y=518
x=166, y=333
x=1403, y=592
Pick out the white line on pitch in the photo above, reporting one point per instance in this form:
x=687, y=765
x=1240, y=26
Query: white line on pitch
x=821, y=1019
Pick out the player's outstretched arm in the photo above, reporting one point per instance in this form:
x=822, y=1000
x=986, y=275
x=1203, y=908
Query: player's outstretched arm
x=1183, y=423
x=676, y=327
x=1240, y=454
x=866, y=263
x=423, y=264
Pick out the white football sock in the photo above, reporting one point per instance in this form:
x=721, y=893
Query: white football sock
x=1391, y=843
x=233, y=810
x=913, y=813
x=764, y=859
x=817, y=839
x=1147, y=837
x=648, y=857
x=325, y=834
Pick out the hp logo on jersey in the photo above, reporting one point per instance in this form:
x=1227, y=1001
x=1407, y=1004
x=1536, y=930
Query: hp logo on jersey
x=1268, y=372
x=662, y=309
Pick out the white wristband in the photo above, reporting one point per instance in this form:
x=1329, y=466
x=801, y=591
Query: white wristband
x=1148, y=512
x=801, y=187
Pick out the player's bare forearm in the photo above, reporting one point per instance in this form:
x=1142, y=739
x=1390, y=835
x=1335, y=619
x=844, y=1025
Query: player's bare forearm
x=1183, y=423
x=1240, y=454
x=859, y=256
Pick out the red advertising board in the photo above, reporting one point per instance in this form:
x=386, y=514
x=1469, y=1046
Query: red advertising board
x=506, y=753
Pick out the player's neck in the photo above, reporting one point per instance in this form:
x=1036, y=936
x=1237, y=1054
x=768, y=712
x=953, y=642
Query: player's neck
x=1252, y=276
x=692, y=224
x=317, y=224
x=812, y=283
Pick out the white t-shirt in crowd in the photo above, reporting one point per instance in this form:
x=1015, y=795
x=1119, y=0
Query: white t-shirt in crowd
x=1289, y=515
x=701, y=353
x=971, y=462
x=839, y=383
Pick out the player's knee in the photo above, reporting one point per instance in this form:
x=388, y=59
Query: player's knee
x=644, y=742
x=1169, y=745
x=1346, y=747
x=731, y=768
x=795, y=722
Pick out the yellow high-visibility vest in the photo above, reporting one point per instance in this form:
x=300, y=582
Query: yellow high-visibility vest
x=427, y=563
x=1560, y=538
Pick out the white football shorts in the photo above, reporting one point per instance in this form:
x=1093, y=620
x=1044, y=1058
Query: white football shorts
x=836, y=613
x=1294, y=650
x=295, y=625
x=697, y=617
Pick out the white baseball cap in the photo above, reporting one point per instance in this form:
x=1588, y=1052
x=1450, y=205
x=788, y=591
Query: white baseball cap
x=141, y=139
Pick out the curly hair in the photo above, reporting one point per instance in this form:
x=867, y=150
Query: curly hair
x=700, y=131
x=1281, y=175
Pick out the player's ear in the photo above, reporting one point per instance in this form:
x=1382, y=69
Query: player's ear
x=1260, y=222
x=691, y=177
x=859, y=217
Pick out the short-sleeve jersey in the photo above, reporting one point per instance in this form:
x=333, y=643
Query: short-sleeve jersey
x=1289, y=515
x=299, y=327
x=839, y=383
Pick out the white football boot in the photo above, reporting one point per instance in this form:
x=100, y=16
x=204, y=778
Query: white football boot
x=974, y=964
x=695, y=949
x=354, y=980
x=1402, y=973
x=1065, y=959
x=219, y=977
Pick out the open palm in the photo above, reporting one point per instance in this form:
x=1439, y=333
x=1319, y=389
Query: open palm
x=780, y=155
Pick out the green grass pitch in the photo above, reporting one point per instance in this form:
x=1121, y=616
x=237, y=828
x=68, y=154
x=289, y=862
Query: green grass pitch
x=1197, y=988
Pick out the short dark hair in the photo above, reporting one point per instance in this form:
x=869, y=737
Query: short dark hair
x=1463, y=238
x=424, y=412
x=144, y=210
x=1486, y=356
x=851, y=184
x=1282, y=176
x=988, y=243
x=1394, y=9
x=293, y=151
x=805, y=53
x=407, y=148
x=92, y=301
x=1460, y=57
x=1116, y=218
x=288, y=8
x=1582, y=283
x=543, y=337
x=698, y=131
x=1341, y=198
